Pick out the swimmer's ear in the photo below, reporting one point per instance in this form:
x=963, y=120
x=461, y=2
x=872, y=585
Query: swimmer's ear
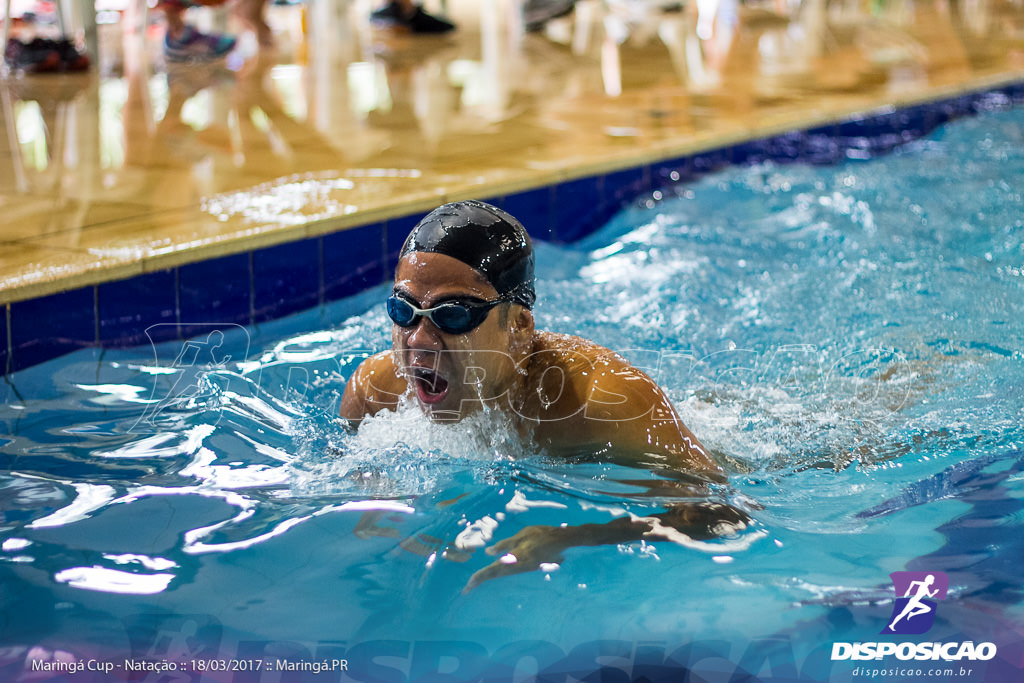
x=521, y=326
x=522, y=319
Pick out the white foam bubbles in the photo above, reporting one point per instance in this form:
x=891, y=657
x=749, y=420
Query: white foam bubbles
x=404, y=453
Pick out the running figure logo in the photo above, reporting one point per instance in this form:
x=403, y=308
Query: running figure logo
x=914, y=612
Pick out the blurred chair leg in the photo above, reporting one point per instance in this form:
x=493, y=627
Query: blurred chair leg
x=20, y=178
x=61, y=18
x=4, y=69
x=87, y=18
x=138, y=16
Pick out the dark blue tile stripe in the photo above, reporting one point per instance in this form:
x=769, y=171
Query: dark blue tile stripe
x=221, y=300
x=260, y=285
x=353, y=260
x=142, y=308
x=286, y=279
x=533, y=209
x=51, y=326
x=5, y=339
x=395, y=232
x=578, y=208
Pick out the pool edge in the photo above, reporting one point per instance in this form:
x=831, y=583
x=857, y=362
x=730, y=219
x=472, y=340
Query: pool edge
x=161, y=299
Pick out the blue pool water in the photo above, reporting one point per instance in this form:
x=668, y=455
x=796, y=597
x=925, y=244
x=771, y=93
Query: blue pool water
x=847, y=340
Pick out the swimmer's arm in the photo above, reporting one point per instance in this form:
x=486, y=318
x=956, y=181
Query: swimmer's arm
x=539, y=544
x=628, y=410
x=374, y=386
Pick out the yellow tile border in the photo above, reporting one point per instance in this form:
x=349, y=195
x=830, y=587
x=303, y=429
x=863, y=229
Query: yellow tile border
x=88, y=276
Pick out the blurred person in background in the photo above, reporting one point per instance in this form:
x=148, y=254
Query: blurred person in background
x=184, y=42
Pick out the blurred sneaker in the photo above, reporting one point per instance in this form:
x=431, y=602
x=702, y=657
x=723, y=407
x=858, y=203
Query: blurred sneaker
x=421, y=22
x=536, y=13
x=391, y=16
x=34, y=57
x=388, y=15
x=71, y=58
x=193, y=46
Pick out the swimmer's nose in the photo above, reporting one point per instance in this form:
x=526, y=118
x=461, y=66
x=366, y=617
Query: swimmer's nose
x=423, y=335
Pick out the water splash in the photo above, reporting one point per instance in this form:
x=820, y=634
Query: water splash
x=404, y=453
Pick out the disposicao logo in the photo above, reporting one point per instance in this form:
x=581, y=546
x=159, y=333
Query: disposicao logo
x=913, y=614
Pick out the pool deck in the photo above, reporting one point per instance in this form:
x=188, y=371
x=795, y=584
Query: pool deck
x=130, y=169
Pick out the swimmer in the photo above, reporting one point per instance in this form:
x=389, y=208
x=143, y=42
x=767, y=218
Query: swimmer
x=463, y=340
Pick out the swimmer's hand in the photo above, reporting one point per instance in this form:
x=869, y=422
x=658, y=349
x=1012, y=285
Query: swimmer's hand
x=539, y=544
x=524, y=552
x=368, y=527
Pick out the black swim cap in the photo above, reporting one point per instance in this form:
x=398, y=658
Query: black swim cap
x=486, y=239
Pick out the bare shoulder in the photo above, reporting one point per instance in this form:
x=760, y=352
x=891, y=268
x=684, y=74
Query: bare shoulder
x=374, y=386
x=590, y=367
x=605, y=400
x=572, y=352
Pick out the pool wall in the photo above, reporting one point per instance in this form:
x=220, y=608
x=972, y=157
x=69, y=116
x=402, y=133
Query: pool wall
x=264, y=284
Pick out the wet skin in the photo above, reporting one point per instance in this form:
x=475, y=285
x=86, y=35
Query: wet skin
x=569, y=395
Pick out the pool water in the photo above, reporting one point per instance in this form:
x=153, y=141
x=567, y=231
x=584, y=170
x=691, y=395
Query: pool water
x=846, y=339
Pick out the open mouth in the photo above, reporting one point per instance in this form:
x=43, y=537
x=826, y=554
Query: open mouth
x=431, y=387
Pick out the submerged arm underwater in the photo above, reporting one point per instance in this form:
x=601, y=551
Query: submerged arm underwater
x=535, y=545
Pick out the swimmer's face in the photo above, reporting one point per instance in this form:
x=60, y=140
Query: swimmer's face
x=452, y=375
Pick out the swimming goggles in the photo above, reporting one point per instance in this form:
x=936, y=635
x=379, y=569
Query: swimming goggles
x=451, y=317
